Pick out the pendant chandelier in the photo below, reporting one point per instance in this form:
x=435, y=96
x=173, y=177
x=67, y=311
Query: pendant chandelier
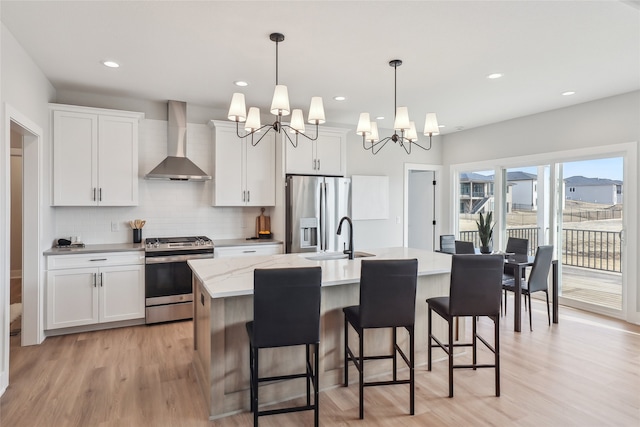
x=408, y=136
x=279, y=108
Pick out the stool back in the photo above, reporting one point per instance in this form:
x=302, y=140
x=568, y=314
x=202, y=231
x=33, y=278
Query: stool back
x=388, y=293
x=286, y=306
x=476, y=285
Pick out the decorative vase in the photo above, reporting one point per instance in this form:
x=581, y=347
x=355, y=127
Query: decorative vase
x=485, y=249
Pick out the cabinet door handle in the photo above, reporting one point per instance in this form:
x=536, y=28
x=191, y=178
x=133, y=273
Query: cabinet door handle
x=248, y=252
x=314, y=164
x=94, y=194
x=100, y=279
x=98, y=259
x=248, y=196
x=318, y=164
x=94, y=279
x=100, y=195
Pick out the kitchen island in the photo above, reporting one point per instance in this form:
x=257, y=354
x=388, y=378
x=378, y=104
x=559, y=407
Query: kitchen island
x=223, y=290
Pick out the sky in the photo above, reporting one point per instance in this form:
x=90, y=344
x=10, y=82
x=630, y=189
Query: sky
x=601, y=168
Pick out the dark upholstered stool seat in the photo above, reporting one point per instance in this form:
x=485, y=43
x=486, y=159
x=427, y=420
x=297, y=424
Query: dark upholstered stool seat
x=474, y=291
x=387, y=300
x=286, y=312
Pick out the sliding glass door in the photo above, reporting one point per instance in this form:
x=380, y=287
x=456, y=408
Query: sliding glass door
x=592, y=232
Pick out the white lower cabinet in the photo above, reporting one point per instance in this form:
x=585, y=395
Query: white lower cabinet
x=247, y=250
x=85, y=290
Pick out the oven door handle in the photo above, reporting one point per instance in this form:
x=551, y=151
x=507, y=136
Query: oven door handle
x=175, y=258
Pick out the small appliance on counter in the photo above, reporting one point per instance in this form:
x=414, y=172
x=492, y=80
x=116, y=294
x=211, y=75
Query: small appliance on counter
x=263, y=226
x=67, y=243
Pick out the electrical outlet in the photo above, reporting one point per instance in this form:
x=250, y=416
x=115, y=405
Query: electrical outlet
x=115, y=226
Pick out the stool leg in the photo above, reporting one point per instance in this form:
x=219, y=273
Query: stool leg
x=412, y=395
x=251, y=378
x=308, y=361
x=346, y=354
x=316, y=404
x=546, y=294
x=529, y=297
x=496, y=332
x=395, y=354
x=429, y=339
x=361, y=373
x=450, y=324
x=255, y=387
x=475, y=341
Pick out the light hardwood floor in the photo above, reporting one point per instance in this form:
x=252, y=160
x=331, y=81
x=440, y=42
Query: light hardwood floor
x=583, y=372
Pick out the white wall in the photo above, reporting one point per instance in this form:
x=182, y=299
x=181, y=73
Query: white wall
x=24, y=91
x=558, y=133
x=389, y=161
x=603, y=194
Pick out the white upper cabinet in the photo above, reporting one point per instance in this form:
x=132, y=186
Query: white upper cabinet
x=244, y=174
x=324, y=156
x=95, y=156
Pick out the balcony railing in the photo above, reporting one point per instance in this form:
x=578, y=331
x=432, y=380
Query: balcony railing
x=600, y=250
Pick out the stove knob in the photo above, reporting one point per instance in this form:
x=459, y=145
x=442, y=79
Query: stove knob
x=156, y=245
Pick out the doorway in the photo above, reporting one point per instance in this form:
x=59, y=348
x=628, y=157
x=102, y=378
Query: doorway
x=420, y=210
x=15, y=253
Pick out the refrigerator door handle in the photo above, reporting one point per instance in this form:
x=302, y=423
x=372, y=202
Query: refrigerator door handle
x=322, y=202
x=326, y=217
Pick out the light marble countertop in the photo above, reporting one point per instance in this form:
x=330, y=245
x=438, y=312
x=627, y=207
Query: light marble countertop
x=228, y=277
x=88, y=249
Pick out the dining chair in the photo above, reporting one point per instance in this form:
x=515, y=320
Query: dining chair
x=447, y=243
x=518, y=246
x=463, y=247
x=286, y=312
x=537, y=281
x=387, y=300
x=474, y=290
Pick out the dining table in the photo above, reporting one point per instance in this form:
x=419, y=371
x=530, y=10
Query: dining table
x=519, y=262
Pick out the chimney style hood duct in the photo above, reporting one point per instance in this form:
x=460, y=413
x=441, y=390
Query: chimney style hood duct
x=177, y=166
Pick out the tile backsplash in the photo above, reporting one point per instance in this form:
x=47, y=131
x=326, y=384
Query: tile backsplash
x=170, y=208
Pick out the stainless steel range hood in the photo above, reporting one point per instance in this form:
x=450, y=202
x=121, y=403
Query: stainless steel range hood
x=177, y=166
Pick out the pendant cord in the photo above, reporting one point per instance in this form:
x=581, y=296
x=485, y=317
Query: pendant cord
x=395, y=91
x=276, y=63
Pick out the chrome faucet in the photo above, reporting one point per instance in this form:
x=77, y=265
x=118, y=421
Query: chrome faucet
x=350, y=250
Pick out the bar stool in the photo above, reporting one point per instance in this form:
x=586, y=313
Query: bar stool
x=286, y=312
x=387, y=300
x=475, y=290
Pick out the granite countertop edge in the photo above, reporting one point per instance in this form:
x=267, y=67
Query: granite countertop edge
x=92, y=249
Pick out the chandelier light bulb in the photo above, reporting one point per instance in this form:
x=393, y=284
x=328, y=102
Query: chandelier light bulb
x=238, y=109
x=316, y=111
x=431, y=125
x=297, y=121
x=253, y=120
x=364, y=124
x=402, y=119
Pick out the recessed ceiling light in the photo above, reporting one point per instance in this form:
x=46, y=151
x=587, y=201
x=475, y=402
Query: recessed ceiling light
x=241, y=83
x=442, y=126
x=495, y=76
x=568, y=93
x=339, y=98
x=110, y=64
x=380, y=118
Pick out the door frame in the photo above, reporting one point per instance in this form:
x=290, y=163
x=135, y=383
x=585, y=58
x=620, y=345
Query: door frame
x=32, y=294
x=437, y=170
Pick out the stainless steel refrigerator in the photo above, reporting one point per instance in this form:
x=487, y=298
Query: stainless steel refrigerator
x=314, y=207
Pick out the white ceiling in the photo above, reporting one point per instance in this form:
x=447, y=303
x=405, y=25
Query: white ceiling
x=194, y=51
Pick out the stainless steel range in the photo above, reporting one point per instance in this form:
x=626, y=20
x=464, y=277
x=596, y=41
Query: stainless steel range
x=168, y=286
